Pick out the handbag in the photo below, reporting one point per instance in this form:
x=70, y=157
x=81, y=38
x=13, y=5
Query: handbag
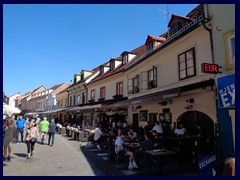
x=34, y=139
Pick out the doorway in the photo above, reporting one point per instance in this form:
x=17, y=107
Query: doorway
x=201, y=126
x=135, y=122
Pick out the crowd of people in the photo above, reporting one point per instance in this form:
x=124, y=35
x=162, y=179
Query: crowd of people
x=29, y=131
x=150, y=137
x=33, y=130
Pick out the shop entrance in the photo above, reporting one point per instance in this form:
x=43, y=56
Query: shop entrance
x=200, y=126
x=135, y=122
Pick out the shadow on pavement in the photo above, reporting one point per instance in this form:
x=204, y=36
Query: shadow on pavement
x=21, y=155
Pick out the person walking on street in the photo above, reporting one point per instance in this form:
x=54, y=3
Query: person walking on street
x=51, y=132
x=44, y=129
x=20, y=123
x=31, y=138
x=9, y=135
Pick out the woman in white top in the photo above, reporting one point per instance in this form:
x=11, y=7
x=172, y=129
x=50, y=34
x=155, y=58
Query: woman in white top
x=180, y=130
x=158, y=128
x=32, y=135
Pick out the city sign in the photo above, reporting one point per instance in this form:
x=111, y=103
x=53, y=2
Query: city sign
x=210, y=68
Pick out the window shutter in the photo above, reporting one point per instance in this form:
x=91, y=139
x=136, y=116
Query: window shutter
x=155, y=75
x=130, y=86
x=144, y=80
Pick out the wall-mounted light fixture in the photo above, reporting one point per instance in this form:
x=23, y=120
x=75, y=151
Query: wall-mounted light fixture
x=189, y=106
x=166, y=102
x=190, y=100
x=139, y=107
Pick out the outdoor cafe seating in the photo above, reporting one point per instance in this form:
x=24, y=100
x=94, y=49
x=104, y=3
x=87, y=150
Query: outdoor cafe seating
x=164, y=158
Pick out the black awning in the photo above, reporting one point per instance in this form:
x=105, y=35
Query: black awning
x=168, y=94
x=171, y=93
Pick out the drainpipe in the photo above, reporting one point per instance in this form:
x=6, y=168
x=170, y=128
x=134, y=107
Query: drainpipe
x=86, y=98
x=204, y=21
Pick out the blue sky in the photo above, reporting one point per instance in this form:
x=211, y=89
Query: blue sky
x=48, y=44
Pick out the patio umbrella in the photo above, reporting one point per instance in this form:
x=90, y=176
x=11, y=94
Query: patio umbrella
x=9, y=110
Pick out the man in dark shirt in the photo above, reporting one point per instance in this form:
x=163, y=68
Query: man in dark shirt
x=157, y=141
x=51, y=132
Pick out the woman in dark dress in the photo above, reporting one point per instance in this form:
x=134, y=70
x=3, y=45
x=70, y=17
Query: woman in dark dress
x=9, y=132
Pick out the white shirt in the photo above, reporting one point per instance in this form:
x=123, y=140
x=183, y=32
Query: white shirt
x=113, y=124
x=124, y=124
x=119, y=142
x=97, y=134
x=158, y=128
x=179, y=131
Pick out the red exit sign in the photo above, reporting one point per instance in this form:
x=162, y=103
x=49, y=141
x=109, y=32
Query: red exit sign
x=210, y=68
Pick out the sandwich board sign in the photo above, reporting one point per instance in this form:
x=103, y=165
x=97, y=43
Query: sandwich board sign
x=207, y=165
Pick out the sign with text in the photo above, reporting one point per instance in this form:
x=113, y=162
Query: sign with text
x=210, y=68
x=226, y=91
x=207, y=165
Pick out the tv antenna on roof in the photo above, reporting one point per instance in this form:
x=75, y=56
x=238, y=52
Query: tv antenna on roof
x=165, y=13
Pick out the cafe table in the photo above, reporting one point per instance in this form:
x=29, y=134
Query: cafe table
x=132, y=146
x=159, y=154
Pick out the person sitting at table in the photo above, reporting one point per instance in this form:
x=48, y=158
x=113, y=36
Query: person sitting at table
x=121, y=151
x=132, y=135
x=119, y=124
x=157, y=141
x=180, y=130
x=147, y=144
x=158, y=128
x=148, y=127
x=97, y=136
x=124, y=124
x=119, y=130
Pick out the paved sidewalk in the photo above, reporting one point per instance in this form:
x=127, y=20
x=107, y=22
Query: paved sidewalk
x=63, y=159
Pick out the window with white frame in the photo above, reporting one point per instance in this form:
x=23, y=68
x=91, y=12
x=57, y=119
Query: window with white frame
x=93, y=95
x=78, y=99
x=119, y=88
x=101, y=70
x=125, y=59
x=65, y=102
x=229, y=40
x=74, y=100
x=136, y=84
x=83, y=97
x=70, y=101
x=186, y=64
x=150, y=46
x=152, y=78
x=102, y=92
x=130, y=86
x=112, y=65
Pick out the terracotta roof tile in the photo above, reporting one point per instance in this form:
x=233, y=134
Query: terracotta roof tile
x=56, y=86
x=142, y=50
x=138, y=51
x=196, y=12
x=174, y=17
x=156, y=38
